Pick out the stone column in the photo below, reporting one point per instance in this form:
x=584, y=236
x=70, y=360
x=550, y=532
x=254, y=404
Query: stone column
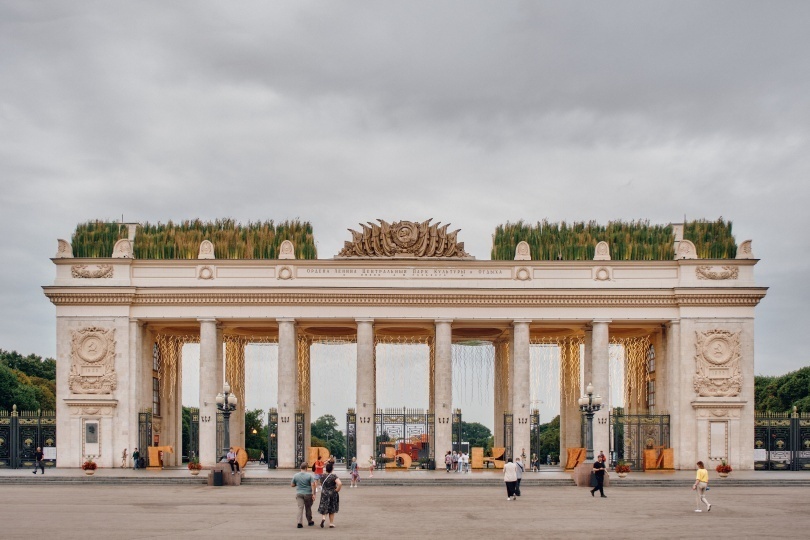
x=661, y=365
x=502, y=401
x=443, y=388
x=178, y=411
x=600, y=357
x=687, y=419
x=287, y=392
x=130, y=413
x=210, y=386
x=366, y=390
x=673, y=338
x=521, y=390
x=235, y=353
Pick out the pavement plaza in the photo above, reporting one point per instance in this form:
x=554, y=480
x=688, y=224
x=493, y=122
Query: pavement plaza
x=90, y=511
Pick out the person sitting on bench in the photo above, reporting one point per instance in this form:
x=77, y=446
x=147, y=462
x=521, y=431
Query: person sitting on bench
x=231, y=457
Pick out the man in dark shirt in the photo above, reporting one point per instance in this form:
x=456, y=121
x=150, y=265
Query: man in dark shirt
x=599, y=473
x=39, y=461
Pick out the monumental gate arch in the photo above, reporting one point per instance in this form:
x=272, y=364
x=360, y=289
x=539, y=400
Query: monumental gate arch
x=412, y=279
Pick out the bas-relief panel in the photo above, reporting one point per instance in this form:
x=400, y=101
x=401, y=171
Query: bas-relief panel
x=92, y=361
x=717, y=364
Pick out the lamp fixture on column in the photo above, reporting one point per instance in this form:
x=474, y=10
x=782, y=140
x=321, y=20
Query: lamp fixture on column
x=589, y=405
x=226, y=402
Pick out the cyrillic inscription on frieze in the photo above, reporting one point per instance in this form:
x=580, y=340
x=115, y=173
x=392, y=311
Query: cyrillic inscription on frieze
x=405, y=273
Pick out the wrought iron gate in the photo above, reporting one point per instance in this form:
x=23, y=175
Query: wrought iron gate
x=508, y=436
x=457, y=432
x=221, y=451
x=534, y=433
x=145, y=434
x=631, y=434
x=351, y=436
x=300, y=437
x=414, y=427
x=20, y=435
x=782, y=441
x=272, y=439
x=193, y=448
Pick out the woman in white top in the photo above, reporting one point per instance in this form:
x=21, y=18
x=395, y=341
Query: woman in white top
x=510, y=477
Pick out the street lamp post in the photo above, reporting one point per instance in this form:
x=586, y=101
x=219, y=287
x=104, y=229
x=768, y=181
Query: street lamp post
x=226, y=402
x=589, y=405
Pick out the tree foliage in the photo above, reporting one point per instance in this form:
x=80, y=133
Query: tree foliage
x=782, y=393
x=477, y=435
x=325, y=432
x=549, y=439
x=27, y=381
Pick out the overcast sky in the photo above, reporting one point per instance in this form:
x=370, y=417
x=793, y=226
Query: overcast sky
x=469, y=112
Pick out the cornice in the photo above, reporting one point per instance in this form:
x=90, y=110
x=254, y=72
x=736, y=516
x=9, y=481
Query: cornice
x=575, y=298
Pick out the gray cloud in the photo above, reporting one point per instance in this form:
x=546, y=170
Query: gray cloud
x=470, y=112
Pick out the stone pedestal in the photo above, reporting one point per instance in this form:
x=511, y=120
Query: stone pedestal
x=228, y=479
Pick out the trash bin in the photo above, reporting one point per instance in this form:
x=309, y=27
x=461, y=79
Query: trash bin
x=217, y=478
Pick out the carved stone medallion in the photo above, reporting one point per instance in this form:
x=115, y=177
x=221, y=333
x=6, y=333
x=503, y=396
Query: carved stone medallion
x=286, y=250
x=602, y=252
x=123, y=249
x=103, y=271
x=206, y=250
x=523, y=252
x=717, y=364
x=686, y=250
x=744, y=251
x=64, y=250
x=404, y=238
x=92, y=361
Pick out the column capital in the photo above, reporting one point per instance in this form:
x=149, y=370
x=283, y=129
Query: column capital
x=440, y=321
x=674, y=322
x=364, y=319
x=285, y=319
x=521, y=321
x=207, y=319
x=601, y=321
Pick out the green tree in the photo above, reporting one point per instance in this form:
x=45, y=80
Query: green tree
x=254, y=421
x=549, y=439
x=32, y=365
x=476, y=434
x=326, y=430
x=782, y=393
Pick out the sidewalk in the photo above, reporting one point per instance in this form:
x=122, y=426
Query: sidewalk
x=256, y=474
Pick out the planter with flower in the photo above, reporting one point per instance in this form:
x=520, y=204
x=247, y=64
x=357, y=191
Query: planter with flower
x=194, y=466
x=89, y=466
x=622, y=469
x=723, y=469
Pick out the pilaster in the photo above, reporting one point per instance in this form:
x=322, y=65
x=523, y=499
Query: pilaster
x=443, y=387
x=366, y=390
x=287, y=392
x=521, y=392
x=600, y=354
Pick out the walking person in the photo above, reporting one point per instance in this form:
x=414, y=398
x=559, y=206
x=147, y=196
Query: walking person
x=535, y=463
x=124, y=458
x=330, y=499
x=135, y=457
x=701, y=484
x=519, y=471
x=510, y=478
x=317, y=468
x=454, y=460
x=371, y=465
x=548, y=460
x=261, y=457
x=39, y=462
x=599, y=474
x=304, y=484
x=354, y=469
x=448, y=461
